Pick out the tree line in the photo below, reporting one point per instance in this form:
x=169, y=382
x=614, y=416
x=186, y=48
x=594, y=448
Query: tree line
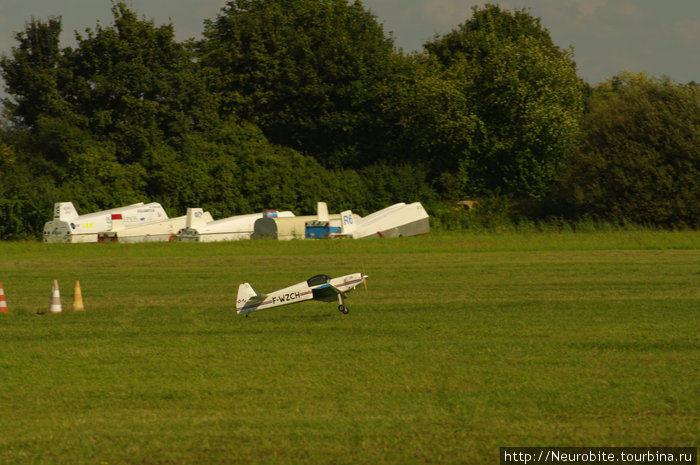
x=286, y=102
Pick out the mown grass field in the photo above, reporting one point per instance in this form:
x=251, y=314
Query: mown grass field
x=462, y=344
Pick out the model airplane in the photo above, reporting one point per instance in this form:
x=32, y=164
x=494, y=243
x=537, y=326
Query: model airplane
x=319, y=287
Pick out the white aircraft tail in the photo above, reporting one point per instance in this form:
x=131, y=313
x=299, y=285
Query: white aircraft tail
x=347, y=222
x=322, y=211
x=195, y=217
x=245, y=292
x=64, y=211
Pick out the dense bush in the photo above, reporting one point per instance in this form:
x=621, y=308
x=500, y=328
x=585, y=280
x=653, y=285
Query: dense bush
x=639, y=157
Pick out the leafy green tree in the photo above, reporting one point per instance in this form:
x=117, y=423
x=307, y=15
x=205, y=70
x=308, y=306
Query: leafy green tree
x=33, y=73
x=235, y=169
x=86, y=168
x=134, y=84
x=26, y=187
x=306, y=71
x=525, y=97
x=430, y=123
x=130, y=83
x=639, y=156
x=387, y=184
x=93, y=113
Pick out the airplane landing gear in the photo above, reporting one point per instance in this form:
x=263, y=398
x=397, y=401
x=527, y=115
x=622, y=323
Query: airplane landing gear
x=341, y=307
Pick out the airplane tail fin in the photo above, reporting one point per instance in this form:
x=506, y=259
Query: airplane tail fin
x=245, y=292
x=195, y=217
x=322, y=211
x=64, y=211
x=347, y=222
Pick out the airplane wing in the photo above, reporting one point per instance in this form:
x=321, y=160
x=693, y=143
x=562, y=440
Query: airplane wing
x=329, y=291
x=326, y=293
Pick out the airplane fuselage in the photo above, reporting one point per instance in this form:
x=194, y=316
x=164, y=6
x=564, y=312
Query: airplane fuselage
x=319, y=287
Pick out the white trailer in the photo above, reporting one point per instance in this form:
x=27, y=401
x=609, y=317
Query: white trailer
x=161, y=231
x=226, y=229
x=287, y=228
x=68, y=226
x=394, y=221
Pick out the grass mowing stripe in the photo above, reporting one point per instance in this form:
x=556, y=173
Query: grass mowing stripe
x=463, y=344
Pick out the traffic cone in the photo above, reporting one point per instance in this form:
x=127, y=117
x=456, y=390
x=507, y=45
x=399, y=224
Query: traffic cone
x=55, y=302
x=3, y=303
x=77, y=298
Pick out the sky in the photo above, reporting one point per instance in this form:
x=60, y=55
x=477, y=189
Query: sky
x=660, y=38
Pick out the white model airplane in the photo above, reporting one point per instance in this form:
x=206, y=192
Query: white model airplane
x=319, y=287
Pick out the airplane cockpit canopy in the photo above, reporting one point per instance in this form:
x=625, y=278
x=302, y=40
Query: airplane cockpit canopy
x=318, y=280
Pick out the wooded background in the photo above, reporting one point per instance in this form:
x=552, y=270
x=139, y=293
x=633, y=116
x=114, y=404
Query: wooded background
x=284, y=103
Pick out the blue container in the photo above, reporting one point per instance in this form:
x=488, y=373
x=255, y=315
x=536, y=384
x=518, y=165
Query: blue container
x=320, y=229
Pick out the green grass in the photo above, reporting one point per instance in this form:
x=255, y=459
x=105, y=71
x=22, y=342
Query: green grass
x=462, y=344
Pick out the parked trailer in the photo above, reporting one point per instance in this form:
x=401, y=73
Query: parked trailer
x=296, y=227
x=394, y=221
x=68, y=226
x=161, y=231
x=227, y=229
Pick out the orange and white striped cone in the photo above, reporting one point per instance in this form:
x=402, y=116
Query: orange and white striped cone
x=55, y=302
x=3, y=302
x=77, y=298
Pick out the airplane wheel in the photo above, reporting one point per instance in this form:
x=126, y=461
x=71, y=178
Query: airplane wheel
x=343, y=309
